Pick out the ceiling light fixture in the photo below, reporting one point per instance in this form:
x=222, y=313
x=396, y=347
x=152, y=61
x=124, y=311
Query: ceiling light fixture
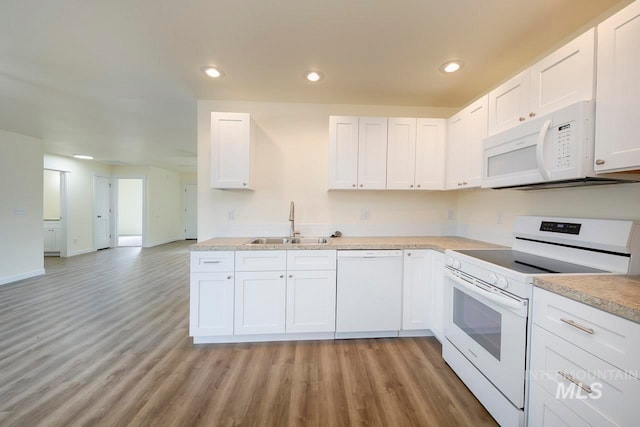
x=212, y=72
x=451, y=66
x=313, y=76
x=83, y=157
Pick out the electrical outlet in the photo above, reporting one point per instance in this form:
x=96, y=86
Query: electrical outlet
x=231, y=215
x=364, y=214
x=451, y=215
x=499, y=218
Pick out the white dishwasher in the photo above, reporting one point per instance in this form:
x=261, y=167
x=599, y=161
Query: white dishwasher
x=369, y=295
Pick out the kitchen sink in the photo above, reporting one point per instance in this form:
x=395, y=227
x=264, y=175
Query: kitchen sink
x=289, y=240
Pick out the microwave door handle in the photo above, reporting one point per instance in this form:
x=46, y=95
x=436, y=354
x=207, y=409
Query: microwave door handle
x=502, y=301
x=540, y=150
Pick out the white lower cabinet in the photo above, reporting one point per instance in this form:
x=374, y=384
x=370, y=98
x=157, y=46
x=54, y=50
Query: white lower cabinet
x=260, y=302
x=211, y=304
x=52, y=236
x=417, y=292
x=437, y=284
x=311, y=301
x=583, y=365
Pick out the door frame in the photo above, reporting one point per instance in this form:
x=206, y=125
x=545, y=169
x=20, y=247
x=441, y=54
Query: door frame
x=184, y=210
x=114, y=204
x=95, y=213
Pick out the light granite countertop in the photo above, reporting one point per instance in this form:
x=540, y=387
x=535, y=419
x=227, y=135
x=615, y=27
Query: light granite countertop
x=619, y=295
x=439, y=243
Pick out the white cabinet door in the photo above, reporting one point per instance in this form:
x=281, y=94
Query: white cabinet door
x=417, y=293
x=431, y=139
x=343, y=152
x=311, y=301
x=230, y=150
x=260, y=302
x=617, y=146
x=467, y=129
x=458, y=134
x=547, y=411
x=211, y=304
x=477, y=115
x=438, y=299
x=564, y=77
x=372, y=153
x=509, y=103
x=401, y=155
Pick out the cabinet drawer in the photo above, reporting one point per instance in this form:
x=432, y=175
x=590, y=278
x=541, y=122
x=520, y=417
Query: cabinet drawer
x=207, y=261
x=311, y=260
x=602, y=394
x=261, y=261
x=547, y=411
x=605, y=335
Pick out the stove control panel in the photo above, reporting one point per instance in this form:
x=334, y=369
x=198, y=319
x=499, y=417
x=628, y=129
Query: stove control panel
x=498, y=281
x=560, y=227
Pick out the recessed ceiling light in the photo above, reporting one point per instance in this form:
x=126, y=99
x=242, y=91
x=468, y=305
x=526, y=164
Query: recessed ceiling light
x=451, y=66
x=83, y=157
x=212, y=72
x=314, y=76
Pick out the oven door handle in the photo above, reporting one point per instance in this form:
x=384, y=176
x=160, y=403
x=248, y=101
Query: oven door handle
x=502, y=301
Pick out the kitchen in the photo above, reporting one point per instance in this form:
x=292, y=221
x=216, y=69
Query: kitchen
x=291, y=163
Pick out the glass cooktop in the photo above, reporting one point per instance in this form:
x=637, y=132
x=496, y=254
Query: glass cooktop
x=527, y=263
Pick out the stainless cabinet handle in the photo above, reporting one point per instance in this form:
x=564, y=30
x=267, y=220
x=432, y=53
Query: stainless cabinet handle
x=459, y=184
x=411, y=186
x=599, y=162
x=211, y=262
x=575, y=381
x=353, y=185
x=418, y=185
x=228, y=277
x=408, y=253
x=244, y=183
x=291, y=276
x=281, y=276
x=361, y=185
x=522, y=119
x=464, y=182
x=532, y=114
x=576, y=325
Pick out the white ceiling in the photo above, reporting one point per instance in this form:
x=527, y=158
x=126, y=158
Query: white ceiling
x=119, y=79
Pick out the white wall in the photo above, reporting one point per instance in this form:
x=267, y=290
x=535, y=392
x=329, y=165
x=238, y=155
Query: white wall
x=291, y=164
x=79, y=198
x=130, y=194
x=21, y=235
x=51, y=189
x=478, y=210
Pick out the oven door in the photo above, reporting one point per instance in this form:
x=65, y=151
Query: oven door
x=489, y=327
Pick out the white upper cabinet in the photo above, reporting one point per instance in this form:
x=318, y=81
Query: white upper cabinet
x=231, y=147
x=617, y=146
x=372, y=153
x=509, y=103
x=466, y=131
x=416, y=154
x=357, y=153
x=343, y=152
x=562, y=78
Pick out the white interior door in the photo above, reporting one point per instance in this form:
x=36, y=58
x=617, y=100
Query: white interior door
x=102, y=212
x=190, y=211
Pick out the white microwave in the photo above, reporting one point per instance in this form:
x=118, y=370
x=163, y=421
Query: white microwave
x=555, y=150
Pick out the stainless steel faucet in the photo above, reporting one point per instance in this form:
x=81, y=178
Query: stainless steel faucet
x=292, y=219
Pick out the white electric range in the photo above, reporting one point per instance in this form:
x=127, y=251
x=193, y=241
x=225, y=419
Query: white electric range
x=488, y=295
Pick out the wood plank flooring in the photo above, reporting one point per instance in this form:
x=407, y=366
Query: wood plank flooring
x=102, y=340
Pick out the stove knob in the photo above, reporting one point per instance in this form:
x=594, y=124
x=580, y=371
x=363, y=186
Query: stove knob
x=502, y=283
x=493, y=279
x=456, y=264
x=450, y=262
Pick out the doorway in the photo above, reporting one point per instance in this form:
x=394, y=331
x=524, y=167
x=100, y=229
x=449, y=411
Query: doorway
x=54, y=212
x=130, y=211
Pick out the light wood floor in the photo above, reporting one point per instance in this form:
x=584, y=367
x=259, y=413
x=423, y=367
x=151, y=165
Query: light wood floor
x=102, y=339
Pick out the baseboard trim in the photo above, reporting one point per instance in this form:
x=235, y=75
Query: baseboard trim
x=162, y=242
x=264, y=338
x=416, y=333
x=80, y=252
x=371, y=334
x=21, y=276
